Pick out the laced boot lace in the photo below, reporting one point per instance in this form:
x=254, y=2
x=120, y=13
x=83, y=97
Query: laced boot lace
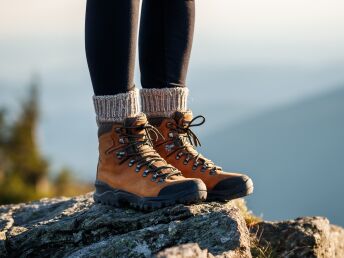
x=138, y=147
x=185, y=142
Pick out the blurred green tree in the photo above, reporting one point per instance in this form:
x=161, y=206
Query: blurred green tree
x=2, y=144
x=63, y=181
x=22, y=167
x=22, y=147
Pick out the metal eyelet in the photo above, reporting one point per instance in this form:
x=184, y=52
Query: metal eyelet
x=131, y=163
x=120, y=154
x=160, y=181
x=145, y=173
x=121, y=140
x=154, y=178
x=186, y=161
x=212, y=172
x=170, y=135
x=169, y=147
x=118, y=130
x=195, y=165
x=204, y=168
x=177, y=157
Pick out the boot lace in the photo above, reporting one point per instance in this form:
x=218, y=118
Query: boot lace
x=139, y=149
x=184, y=139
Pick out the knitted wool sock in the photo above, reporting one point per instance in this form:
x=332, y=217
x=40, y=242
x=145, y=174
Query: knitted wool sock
x=115, y=108
x=163, y=102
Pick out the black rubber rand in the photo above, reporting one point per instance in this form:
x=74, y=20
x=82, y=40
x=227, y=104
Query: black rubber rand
x=230, y=189
x=186, y=193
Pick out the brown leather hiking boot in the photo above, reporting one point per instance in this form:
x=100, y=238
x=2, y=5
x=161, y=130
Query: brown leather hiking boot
x=131, y=172
x=178, y=149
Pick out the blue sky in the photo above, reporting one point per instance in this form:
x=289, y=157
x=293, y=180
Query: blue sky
x=238, y=32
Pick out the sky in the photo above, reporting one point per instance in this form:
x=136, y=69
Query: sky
x=240, y=32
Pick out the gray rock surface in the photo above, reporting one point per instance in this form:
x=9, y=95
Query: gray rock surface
x=337, y=240
x=191, y=250
x=76, y=227
x=302, y=237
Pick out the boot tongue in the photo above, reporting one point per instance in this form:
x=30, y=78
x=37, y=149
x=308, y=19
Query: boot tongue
x=135, y=121
x=138, y=121
x=182, y=118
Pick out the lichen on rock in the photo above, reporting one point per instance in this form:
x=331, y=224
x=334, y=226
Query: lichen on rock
x=302, y=237
x=77, y=227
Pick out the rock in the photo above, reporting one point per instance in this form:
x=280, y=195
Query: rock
x=77, y=227
x=337, y=239
x=191, y=250
x=302, y=237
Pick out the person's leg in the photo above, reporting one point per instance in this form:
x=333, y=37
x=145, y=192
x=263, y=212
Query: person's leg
x=110, y=41
x=129, y=170
x=165, y=41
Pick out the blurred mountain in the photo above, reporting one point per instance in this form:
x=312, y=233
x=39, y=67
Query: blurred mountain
x=295, y=154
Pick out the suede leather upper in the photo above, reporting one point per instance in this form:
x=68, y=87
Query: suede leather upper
x=175, y=139
x=120, y=175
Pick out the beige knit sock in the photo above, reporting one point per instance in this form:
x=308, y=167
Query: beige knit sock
x=115, y=108
x=163, y=102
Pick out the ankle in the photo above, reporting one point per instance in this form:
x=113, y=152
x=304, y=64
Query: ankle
x=163, y=102
x=115, y=108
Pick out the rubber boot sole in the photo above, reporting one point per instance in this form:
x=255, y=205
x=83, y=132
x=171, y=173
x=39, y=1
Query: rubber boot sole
x=239, y=191
x=107, y=195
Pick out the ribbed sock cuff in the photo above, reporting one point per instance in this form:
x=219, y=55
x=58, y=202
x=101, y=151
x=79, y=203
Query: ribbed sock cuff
x=115, y=108
x=163, y=102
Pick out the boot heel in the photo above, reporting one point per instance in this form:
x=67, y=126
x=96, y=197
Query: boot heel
x=106, y=195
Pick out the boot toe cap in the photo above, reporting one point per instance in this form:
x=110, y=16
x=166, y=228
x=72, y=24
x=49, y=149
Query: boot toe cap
x=187, y=186
x=241, y=183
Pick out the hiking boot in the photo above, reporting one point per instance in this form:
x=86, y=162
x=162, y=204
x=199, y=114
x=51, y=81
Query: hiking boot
x=179, y=149
x=130, y=172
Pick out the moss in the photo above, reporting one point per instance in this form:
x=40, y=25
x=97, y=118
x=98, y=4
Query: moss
x=249, y=217
x=258, y=251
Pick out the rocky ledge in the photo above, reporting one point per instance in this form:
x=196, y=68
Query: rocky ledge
x=77, y=227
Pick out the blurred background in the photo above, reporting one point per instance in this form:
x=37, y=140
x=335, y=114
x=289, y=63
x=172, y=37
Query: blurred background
x=268, y=75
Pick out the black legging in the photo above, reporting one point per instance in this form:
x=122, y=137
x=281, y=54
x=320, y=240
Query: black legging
x=165, y=40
